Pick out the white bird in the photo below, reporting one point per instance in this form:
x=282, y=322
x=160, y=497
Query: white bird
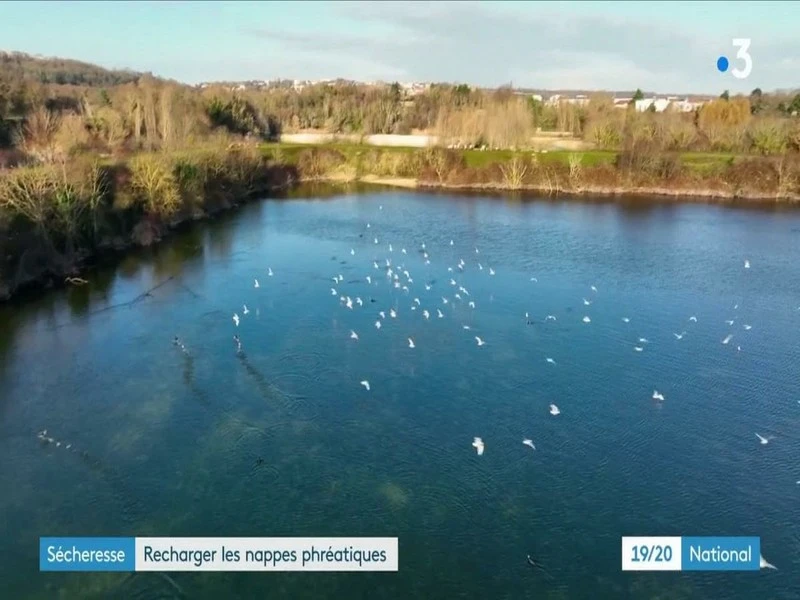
x=382, y=314
x=491, y=271
x=353, y=335
x=255, y=284
x=679, y=336
x=368, y=225
x=476, y=251
x=658, y=395
x=349, y=303
x=377, y=324
x=471, y=304
x=763, y=564
x=453, y=282
x=411, y=343
x=444, y=300
x=369, y=279
x=451, y=242
x=586, y=302
x=626, y=320
x=747, y=327
x=466, y=327
x=551, y=361
x=746, y=264
x=426, y=314
x=457, y=296
x=269, y=272
x=727, y=339
x=550, y=318
x=352, y=252
x=340, y=277
x=393, y=313
x=594, y=289
x=729, y=322
x=449, y=269
x=643, y=340
x=375, y=264
x=477, y=443
x=390, y=248
x=528, y=442
x=638, y=348
x=244, y=310
x=480, y=267
x=587, y=320
x=554, y=410
x=416, y=300
x=403, y=250
x=439, y=313
x=375, y=240
x=359, y=301
x=693, y=319
x=534, y=279
x=427, y=287
x=423, y=245
x=480, y=341
x=763, y=440
x=235, y=319
x=365, y=383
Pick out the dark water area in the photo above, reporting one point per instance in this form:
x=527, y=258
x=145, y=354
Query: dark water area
x=282, y=440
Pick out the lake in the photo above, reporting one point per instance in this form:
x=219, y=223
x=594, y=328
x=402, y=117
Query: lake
x=281, y=439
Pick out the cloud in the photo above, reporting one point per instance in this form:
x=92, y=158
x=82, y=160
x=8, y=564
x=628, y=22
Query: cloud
x=491, y=45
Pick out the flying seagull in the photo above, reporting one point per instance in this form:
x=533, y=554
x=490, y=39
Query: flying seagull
x=235, y=319
x=365, y=383
x=658, y=396
x=353, y=335
x=528, y=442
x=763, y=440
x=477, y=443
x=554, y=410
x=480, y=341
x=762, y=563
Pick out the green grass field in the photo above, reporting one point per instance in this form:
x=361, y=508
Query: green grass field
x=700, y=161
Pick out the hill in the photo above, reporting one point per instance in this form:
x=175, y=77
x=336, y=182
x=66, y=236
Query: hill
x=60, y=71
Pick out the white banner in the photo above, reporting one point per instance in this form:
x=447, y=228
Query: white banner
x=266, y=554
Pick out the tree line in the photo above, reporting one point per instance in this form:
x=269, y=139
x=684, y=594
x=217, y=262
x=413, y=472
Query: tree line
x=118, y=111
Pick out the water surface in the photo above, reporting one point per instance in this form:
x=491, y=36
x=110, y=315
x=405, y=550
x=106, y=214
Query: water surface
x=282, y=440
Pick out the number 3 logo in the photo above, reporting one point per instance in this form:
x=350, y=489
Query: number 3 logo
x=744, y=45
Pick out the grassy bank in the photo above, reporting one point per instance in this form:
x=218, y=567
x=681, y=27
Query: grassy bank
x=55, y=218
x=638, y=169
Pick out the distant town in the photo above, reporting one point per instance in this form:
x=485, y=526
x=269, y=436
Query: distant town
x=621, y=99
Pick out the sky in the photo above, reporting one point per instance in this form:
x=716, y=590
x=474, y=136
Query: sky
x=656, y=46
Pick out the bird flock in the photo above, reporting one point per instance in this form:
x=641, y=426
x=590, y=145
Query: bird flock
x=389, y=268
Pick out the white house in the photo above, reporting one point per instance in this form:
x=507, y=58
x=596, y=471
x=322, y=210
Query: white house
x=658, y=104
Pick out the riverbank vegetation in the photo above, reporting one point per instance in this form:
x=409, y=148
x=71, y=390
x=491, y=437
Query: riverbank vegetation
x=92, y=159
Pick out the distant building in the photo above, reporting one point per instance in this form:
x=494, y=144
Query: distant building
x=658, y=104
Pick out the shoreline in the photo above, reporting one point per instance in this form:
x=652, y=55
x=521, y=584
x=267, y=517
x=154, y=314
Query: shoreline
x=72, y=270
x=621, y=192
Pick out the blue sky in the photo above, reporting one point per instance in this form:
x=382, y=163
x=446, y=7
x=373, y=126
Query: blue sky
x=660, y=46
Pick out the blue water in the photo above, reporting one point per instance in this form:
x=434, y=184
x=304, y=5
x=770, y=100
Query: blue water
x=282, y=440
